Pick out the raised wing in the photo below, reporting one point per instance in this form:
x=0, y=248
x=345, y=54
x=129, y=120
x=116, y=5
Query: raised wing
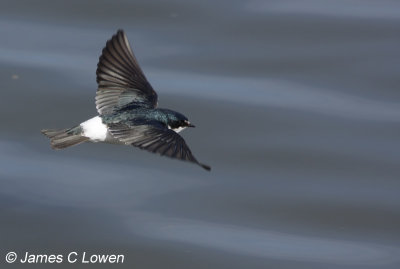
x=121, y=82
x=155, y=138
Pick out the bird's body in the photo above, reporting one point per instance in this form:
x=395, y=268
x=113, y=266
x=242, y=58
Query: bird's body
x=96, y=128
x=128, y=113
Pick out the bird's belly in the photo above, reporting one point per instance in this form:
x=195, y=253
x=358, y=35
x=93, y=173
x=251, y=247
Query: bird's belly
x=97, y=131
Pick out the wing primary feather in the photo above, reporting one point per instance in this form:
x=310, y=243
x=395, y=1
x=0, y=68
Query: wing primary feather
x=114, y=53
x=126, y=49
x=111, y=70
x=107, y=58
x=120, y=52
x=108, y=55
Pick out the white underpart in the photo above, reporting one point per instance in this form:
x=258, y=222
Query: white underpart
x=95, y=129
x=177, y=130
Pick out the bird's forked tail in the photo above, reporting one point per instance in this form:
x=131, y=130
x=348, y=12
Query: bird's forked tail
x=60, y=139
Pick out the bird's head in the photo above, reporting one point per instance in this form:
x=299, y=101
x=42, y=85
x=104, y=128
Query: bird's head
x=176, y=120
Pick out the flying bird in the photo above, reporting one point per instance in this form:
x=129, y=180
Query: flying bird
x=128, y=112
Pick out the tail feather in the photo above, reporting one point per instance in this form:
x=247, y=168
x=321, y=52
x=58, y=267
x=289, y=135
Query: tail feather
x=60, y=139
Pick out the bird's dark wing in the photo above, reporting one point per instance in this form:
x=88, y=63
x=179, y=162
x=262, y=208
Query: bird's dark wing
x=154, y=138
x=120, y=80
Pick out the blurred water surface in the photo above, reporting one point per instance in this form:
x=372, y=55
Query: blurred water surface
x=297, y=110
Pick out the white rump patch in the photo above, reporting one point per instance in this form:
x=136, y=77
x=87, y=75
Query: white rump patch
x=95, y=129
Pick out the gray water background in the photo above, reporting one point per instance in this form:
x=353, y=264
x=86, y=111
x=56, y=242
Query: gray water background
x=297, y=110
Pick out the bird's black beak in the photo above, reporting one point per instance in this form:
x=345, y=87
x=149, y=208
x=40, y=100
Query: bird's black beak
x=189, y=124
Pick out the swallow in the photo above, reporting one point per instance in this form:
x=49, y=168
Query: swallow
x=127, y=110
